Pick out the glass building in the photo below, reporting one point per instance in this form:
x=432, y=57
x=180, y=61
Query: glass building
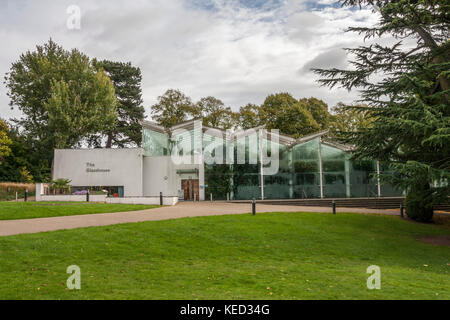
x=209, y=162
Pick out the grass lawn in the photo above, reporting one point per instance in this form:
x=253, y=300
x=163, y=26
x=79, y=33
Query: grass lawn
x=270, y=256
x=30, y=210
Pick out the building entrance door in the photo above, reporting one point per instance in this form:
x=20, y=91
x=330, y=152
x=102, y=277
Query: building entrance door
x=191, y=189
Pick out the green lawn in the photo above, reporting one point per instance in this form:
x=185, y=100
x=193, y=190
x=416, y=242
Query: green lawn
x=30, y=210
x=270, y=256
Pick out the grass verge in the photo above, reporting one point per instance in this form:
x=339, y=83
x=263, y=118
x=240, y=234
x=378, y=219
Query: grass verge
x=31, y=210
x=270, y=256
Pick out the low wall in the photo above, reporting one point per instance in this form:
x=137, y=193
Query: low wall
x=71, y=198
x=167, y=201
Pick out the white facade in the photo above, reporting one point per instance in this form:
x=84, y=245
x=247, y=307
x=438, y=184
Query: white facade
x=140, y=176
x=102, y=167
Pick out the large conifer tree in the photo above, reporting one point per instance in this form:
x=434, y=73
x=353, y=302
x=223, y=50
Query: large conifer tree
x=127, y=131
x=406, y=85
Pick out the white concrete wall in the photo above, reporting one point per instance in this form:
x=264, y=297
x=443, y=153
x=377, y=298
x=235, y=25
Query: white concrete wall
x=159, y=176
x=71, y=198
x=167, y=201
x=39, y=191
x=125, y=168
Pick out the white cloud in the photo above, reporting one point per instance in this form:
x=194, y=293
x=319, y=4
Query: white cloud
x=235, y=53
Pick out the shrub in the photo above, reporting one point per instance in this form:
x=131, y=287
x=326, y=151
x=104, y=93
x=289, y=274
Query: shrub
x=8, y=190
x=60, y=186
x=419, y=203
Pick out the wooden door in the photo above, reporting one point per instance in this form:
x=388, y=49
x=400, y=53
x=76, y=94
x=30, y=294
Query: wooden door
x=191, y=189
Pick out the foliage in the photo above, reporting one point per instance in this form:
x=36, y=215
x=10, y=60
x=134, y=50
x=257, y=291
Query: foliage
x=173, y=107
x=282, y=111
x=214, y=113
x=24, y=163
x=405, y=85
x=419, y=203
x=127, y=129
x=217, y=178
x=5, y=141
x=248, y=117
x=279, y=111
x=63, y=184
x=319, y=111
x=305, y=166
x=64, y=98
x=8, y=190
x=348, y=119
x=25, y=175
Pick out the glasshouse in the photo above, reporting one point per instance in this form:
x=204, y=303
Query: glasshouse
x=193, y=162
x=309, y=167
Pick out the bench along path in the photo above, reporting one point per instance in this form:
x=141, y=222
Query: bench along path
x=182, y=210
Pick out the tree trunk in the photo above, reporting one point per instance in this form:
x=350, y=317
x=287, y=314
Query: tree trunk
x=109, y=141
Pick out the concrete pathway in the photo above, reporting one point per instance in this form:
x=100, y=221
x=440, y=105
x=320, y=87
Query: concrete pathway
x=182, y=210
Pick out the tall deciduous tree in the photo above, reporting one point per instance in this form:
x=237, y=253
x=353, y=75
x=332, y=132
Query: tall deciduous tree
x=172, y=108
x=5, y=141
x=409, y=105
x=23, y=159
x=127, y=130
x=319, y=111
x=64, y=98
x=284, y=112
x=214, y=113
x=248, y=117
x=348, y=119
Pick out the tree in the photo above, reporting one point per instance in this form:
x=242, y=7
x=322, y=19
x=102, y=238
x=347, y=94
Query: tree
x=406, y=87
x=172, y=108
x=348, y=119
x=23, y=163
x=248, y=117
x=60, y=185
x=64, y=98
x=214, y=113
x=127, y=130
x=5, y=141
x=319, y=111
x=282, y=111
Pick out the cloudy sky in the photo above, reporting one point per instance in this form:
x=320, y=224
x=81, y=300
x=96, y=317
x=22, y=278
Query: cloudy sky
x=236, y=50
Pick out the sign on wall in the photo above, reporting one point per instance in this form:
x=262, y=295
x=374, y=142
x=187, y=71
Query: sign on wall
x=90, y=168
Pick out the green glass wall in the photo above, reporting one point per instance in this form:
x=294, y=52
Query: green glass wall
x=218, y=176
x=280, y=185
x=155, y=143
x=298, y=176
x=305, y=167
x=247, y=177
x=363, y=179
x=336, y=176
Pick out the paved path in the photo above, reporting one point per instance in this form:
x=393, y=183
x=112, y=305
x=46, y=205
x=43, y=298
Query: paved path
x=182, y=210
